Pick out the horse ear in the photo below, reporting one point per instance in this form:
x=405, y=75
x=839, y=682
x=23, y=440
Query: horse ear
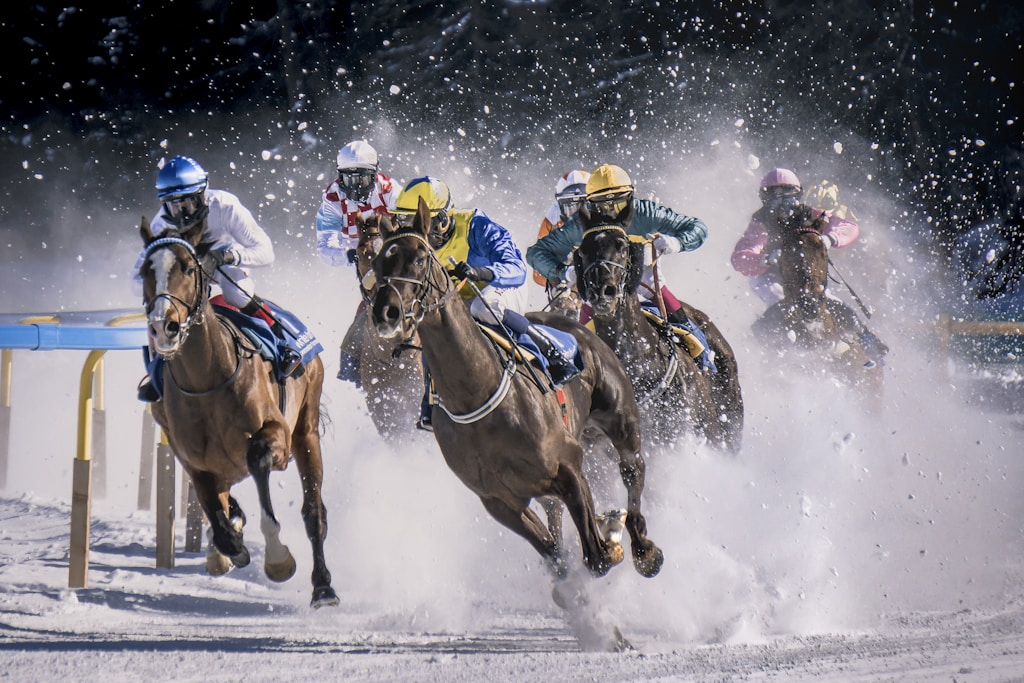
x=385, y=225
x=146, y=231
x=422, y=222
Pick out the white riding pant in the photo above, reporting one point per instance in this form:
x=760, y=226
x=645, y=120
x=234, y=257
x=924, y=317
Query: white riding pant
x=239, y=289
x=499, y=300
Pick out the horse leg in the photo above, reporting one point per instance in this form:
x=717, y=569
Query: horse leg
x=525, y=522
x=278, y=563
x=553, y=511
x=225, y=534
x=647, y=557
x=598, y=554
x=308, y=460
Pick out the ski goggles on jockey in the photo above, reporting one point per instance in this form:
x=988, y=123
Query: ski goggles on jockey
x=569, y=206
x=356, y=182
x=610, y=205
x=779, y=191
x=438, y=222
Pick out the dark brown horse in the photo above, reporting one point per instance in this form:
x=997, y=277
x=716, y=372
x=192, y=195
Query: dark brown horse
x=675, y=393
x=803, y=326
x=224, y=413
x=391, y=375
x=501, y=429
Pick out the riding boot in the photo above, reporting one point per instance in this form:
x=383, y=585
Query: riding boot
x=560, y=368
x=426, y=419
x=147, y=392
x=290, y=360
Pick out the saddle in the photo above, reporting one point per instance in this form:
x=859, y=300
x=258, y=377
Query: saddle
x=525, y=350
x=271, y=346
x=686, y=335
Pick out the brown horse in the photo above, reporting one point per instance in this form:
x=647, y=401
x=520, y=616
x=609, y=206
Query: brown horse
x=390, y=374
x=502, y=430
x=224, y=413
x=676, y=395
x=803, y=324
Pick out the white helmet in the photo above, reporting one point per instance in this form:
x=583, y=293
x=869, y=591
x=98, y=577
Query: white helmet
x=357, y=154
x=569, y=179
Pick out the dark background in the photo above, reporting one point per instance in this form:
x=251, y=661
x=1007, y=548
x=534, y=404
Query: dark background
x=931, y=87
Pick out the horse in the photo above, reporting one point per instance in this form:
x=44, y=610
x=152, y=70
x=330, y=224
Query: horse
x=225, y=415
x=802, y=324
x=677, y=396
x=501, y=429
x=391, y=375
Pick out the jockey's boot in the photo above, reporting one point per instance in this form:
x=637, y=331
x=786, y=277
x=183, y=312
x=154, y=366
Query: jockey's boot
x=561, y=369
x=147, y=392
x=875, y=347
x=290, y=358
x=290, y=361
x=426, y=419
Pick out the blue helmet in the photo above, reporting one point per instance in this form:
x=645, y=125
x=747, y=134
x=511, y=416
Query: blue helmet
x=180, y=177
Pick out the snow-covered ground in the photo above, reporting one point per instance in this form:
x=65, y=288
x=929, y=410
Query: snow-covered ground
x=835, y=547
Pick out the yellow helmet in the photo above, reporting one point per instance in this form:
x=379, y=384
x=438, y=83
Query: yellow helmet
x=433, y=191
x=608, y=179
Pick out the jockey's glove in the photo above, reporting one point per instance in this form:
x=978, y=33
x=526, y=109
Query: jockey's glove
x=828, y=240
x=225, y=256
x=665, y=244
x=351, y=255
x=464, y=271
x=569, y=276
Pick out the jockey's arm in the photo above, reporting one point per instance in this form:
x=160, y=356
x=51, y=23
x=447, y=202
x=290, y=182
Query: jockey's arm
x=249, y=240
x=331, y=243
x=548, y=254
x=842, y=231
x=493, y=248
x=650, y=217
x=748, y=254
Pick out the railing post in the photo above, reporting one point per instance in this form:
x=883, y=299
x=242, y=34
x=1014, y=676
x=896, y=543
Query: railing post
x=146, y=465
x=81, y=501
x=164, y=504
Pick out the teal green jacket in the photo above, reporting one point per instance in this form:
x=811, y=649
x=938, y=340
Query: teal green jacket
x=549, y=253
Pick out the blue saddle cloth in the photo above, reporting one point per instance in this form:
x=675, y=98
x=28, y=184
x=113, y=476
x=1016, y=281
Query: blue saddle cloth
x=563, y=341
x=297, y=337
x=704, y=359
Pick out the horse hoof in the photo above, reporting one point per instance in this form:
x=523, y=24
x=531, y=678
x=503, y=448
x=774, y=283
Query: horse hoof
x=648, y=564
x=241, y=559
x=217, y=564
x=280, y=571
x=324, y=596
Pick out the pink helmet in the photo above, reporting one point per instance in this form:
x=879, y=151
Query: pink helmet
x=780, y=176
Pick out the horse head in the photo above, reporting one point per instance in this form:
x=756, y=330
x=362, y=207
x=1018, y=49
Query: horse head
x=410, y=281
x=174, y=284
x=609, y=265
x=372, y=232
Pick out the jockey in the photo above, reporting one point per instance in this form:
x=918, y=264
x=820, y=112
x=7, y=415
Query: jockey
x=610, y=199
x=780, y=192
x=483, y=252
x=359, y=190
x=239, y=243
x=570, y=193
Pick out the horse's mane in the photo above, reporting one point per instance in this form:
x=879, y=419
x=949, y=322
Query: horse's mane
x=635, y=267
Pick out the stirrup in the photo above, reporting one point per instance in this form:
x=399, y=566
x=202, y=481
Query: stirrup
x=425, y=423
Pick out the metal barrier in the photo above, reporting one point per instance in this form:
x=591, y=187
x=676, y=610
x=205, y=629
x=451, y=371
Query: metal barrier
x=82, y=331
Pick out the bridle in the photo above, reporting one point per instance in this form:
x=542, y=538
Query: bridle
x=194, y=310
x=418, y=306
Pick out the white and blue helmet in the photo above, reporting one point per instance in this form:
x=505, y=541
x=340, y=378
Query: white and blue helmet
x=180, y=177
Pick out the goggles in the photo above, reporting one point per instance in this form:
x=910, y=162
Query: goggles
x=360, y=178
x=569, y=206
x=610, y=205
x=184, y=205
x=438, y=222
x=779, y=191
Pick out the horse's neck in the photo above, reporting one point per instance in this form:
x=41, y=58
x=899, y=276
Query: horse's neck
x=804, y=269
x=462, y=361
x=207, y=354
x=628, y=333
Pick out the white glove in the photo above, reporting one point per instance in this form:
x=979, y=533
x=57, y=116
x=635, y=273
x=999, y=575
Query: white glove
x=369, y=280
x=570, y=276
x=828, y=240
x=666, y=244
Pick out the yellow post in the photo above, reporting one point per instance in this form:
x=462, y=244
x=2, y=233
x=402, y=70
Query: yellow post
x=99, y=434
x=81, y=502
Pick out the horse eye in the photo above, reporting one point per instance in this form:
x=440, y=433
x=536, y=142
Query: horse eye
x=421, y=261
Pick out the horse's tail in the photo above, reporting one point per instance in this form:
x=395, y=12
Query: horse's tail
x=325, y=418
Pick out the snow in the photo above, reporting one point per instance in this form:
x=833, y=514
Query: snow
x=835, y=547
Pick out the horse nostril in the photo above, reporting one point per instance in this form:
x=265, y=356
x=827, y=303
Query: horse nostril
x=609, y=291
x=391, y=314
x=171, y=328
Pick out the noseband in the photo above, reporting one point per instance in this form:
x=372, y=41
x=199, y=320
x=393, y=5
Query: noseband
x=194, y=310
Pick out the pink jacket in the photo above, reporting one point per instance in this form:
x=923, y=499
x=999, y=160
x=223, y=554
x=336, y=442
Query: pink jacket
x=748, y=255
